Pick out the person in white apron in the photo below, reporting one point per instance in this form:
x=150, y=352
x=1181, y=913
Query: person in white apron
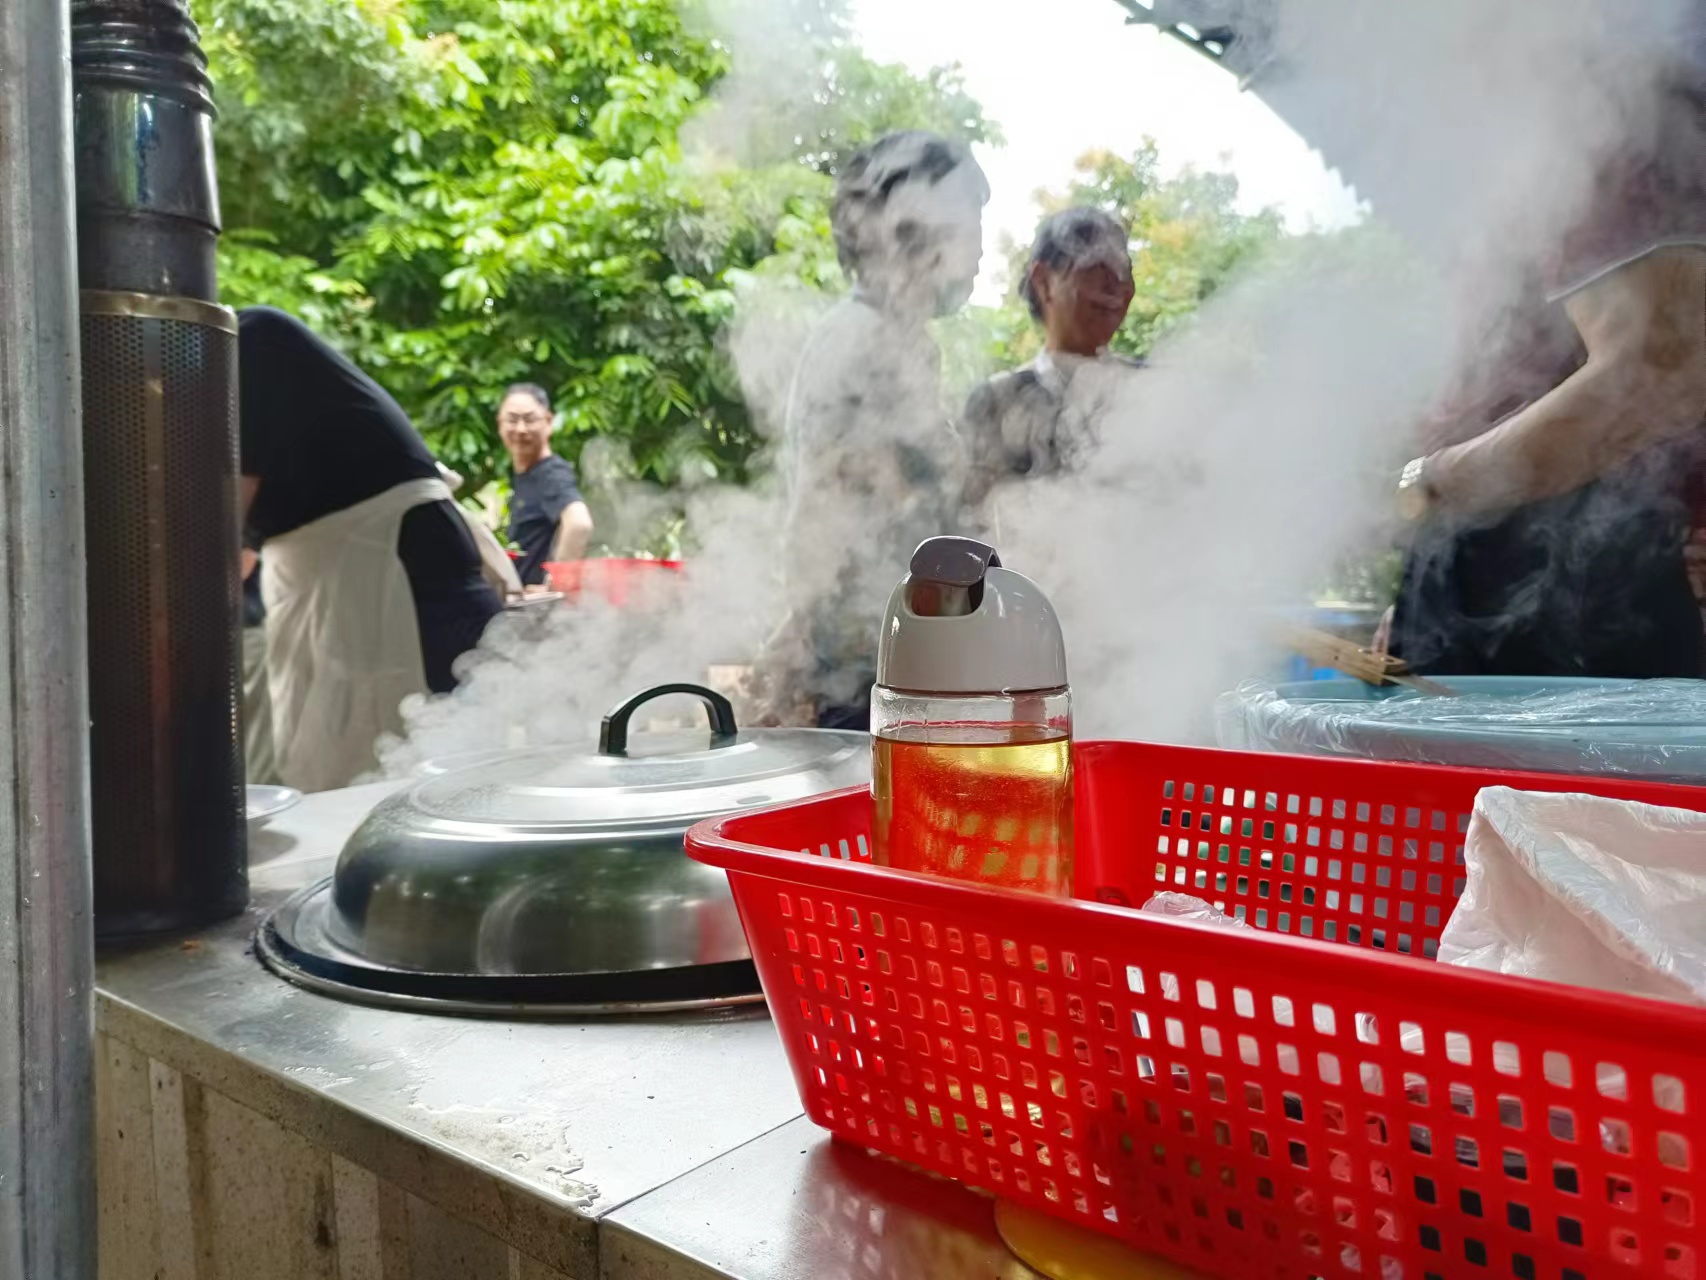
x=373, y=584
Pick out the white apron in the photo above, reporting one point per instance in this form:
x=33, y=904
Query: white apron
x=258, y=764
x=343, y=640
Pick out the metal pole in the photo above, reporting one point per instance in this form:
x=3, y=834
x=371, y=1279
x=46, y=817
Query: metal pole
x=47, y=1180
x=159, y=381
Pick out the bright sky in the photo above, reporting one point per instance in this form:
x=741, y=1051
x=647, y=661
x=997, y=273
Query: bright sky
x=1063, y=77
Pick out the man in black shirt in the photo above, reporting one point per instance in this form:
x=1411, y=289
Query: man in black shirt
x=548, y=519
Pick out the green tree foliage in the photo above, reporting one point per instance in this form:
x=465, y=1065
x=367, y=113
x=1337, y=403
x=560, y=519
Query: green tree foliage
x=469, y=193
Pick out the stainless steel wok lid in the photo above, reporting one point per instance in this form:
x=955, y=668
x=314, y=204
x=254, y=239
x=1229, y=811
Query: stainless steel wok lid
x=554, y=876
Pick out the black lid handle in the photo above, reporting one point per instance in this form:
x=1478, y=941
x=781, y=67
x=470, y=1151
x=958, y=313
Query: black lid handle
x=947, y=576
x=953, y=561
x=613, y=733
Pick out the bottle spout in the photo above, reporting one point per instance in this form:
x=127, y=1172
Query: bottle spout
x=947, y=576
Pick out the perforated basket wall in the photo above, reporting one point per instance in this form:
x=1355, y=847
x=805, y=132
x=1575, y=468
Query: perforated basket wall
x=1248, y=1103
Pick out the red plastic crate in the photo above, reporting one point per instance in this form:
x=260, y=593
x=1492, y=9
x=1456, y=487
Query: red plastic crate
x=618, y=580
x=1301, y=1102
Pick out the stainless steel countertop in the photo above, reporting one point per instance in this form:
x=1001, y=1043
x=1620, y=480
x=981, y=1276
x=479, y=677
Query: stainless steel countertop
x=685, y=1129
x=589, y=1113
x=797, y=1205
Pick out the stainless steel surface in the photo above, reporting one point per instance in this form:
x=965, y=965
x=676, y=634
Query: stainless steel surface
x=159, y=374
x=586, y=1114
x=47, y=1184
x=539, y=602
x=553, y=861
x=148, y=200
x=262, y=803
x=678, y=1139
x=797, y=1205
x=148, y=306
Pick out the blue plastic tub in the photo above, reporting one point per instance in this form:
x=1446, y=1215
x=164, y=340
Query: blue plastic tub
x=1632, y=728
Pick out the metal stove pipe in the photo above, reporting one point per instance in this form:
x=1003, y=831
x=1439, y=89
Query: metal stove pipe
x=160, y=474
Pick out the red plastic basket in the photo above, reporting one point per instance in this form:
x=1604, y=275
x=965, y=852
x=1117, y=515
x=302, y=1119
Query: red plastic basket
x=619, y=581
x=1301, y=1102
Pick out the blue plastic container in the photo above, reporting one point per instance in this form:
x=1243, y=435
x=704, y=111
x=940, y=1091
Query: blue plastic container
x=1652, y=729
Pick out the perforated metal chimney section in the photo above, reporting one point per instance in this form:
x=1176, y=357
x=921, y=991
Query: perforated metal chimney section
x=160, y=473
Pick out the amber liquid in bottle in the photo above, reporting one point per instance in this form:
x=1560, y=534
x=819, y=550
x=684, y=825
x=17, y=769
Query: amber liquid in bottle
x=987, y=803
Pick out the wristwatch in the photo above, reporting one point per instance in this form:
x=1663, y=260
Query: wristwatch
x=1414, y=495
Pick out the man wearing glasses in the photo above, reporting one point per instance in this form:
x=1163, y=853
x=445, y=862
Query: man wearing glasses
x=548, y=519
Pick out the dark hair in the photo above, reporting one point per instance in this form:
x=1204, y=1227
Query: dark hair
x=532, y=389
x=866, y=182
x=1062, y=241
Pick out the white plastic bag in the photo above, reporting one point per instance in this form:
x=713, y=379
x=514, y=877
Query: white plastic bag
x=1583, y=890
x=1182, y=906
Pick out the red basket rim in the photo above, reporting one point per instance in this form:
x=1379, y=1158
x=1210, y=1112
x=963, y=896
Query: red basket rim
x=1589, y=784
x=1646, y=1021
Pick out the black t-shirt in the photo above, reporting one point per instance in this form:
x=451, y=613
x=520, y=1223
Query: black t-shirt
x=318, y=433
x=1592, y=583
x=538, y=498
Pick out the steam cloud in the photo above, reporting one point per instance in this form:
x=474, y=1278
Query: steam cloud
x=1261, y=442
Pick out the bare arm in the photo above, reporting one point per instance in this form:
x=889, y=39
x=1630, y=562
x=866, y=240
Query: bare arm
x=574, y=531
x=1644, y=327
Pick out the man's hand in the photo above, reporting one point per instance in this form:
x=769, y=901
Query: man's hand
x=1382, y=644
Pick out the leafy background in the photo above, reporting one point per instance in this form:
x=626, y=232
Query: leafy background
x=469, y=193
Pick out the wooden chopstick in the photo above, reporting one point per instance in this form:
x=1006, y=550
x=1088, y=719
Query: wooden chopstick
x=1362, y=664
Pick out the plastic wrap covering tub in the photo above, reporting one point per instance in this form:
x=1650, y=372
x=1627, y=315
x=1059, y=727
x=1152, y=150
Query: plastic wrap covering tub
x=1634, y=728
